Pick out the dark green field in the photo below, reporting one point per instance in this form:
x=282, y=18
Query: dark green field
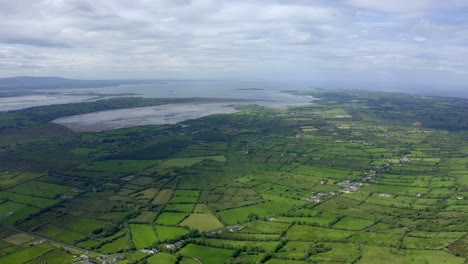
x=355, y=177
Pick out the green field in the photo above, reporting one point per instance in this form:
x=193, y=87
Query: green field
x=263, y=227
x=201, y=209
x=18, y=239
x=60, y=234
x=171, y=218
x=149, y=193
x=42, y=189
x=207, y=255
x=161, y=258
x=349, y=223
x=186, y=193
x=11, y=212
x=202, y=222
x=260, y=246
x=179, y=208
x=8, y=180
x=162, y=197
x=27, y=254
x=184, y=199
x=307, y=233
x=79, y=224
x=143, y=236
x=57, y=256
x=144, y=217
x=354, y=177
x=169, y=233
x=124, y=166
x=28, y=200
x=383, y=255
x=232, y=216
x=114, y=246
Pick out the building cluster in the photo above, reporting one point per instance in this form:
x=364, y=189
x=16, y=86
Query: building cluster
x=35, y=243
x=149, y=251
x=350, y=186
x=176, y=245
x=112, y=261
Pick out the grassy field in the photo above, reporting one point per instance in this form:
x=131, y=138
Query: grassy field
x=11, y=212
x=207, y=255
x=114, y=246
x=27, y=254
x=305, y=233
x=384, y=255
x=59, y=234
x=349, y=223
x=260, y=246
x=89, y=244
x=339, y=252
x=179, y=208
x=180, y=162
x=56, y=256
x=18, y=239
x=144, y=217
x=143, y=236
x=264, y=227
x=28, y=200
x=319, y=221
x=171, y=218
x=42, y=189
x=186, y=193
x=124, y=166
x=232, y=216
x=162, y=197
x=9, y=179
x=79, y=224
x=161, y=258
x=355, y=177
x=149, y=193
x=202, y=222
x=201, y=209
x=184, y=199
x=169, y=233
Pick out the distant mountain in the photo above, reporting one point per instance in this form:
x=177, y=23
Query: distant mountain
x=30, y=83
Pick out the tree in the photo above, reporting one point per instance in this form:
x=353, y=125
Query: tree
x=252, y=216
x=178, y=259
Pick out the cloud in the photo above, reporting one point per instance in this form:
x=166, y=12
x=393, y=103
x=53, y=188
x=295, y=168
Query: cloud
x=419, y=39
x=295, y=39
x=297, y=13
x=32, y=41
x=412, y=8
x=301, y=38
x=395, y=6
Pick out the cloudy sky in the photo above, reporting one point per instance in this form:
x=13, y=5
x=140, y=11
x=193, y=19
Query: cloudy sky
x=343, y=42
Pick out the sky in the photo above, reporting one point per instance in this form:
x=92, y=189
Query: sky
x=339, y=43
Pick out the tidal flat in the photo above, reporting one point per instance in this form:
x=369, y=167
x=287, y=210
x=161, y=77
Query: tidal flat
x=32, y=100
x=151, y=115
x=233, y=94
x=175, y=113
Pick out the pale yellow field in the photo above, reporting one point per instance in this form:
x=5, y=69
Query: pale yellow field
x=202, y=222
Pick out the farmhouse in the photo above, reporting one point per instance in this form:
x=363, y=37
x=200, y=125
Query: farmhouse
x=214, y=232
x=149, y=251
x=171, y=246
